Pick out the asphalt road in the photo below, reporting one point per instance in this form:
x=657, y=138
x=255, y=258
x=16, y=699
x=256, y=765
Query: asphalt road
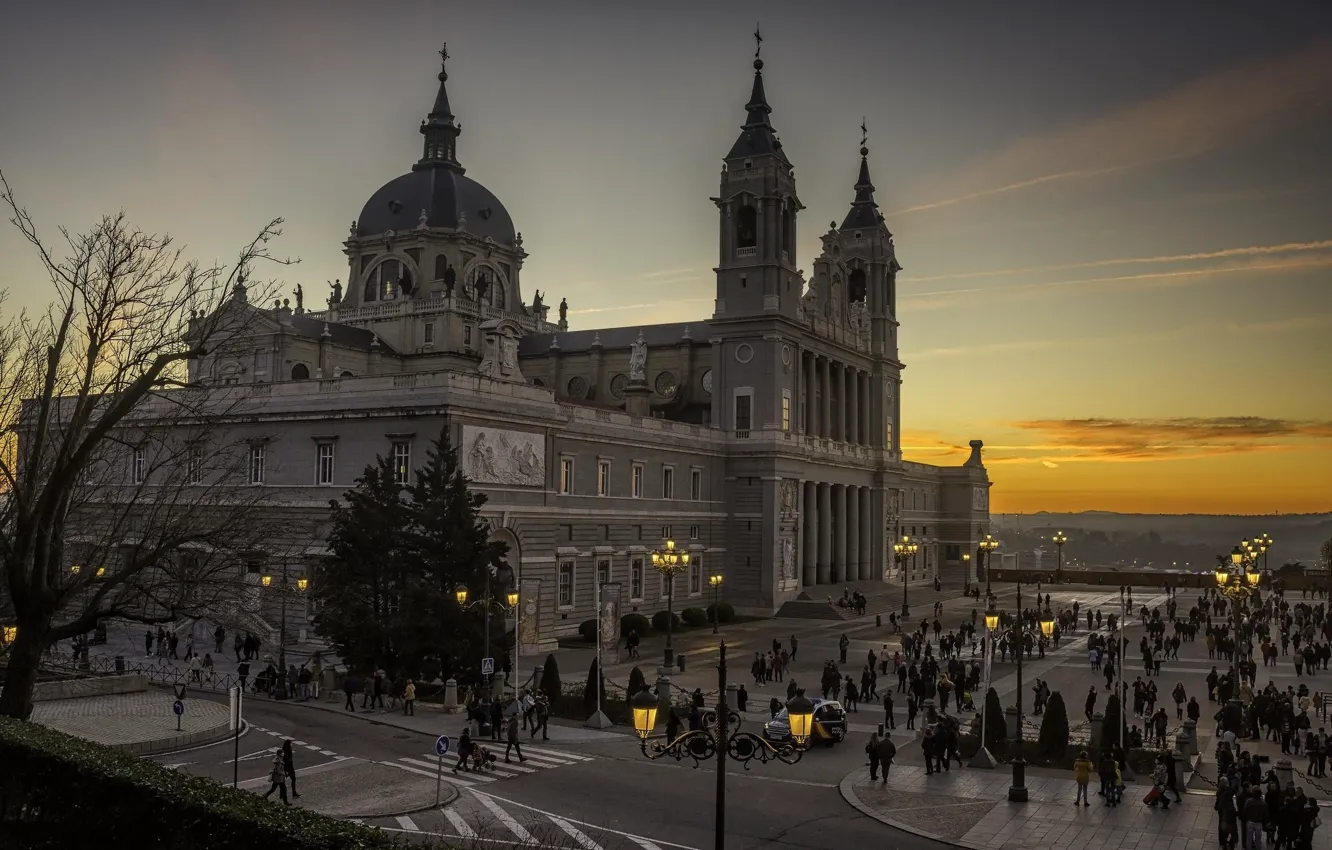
x=590, y=795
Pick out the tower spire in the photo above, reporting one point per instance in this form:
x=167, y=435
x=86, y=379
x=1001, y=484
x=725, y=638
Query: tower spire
x=439, y=128
x=864, y=210
x=757, y=135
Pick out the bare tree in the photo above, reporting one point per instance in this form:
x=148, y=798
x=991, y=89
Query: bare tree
x=120, y=494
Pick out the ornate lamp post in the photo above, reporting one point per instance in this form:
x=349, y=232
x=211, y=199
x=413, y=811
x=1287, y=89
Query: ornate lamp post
x=670, y=562
x=1237, y=578
x=1264, y=543
x=966, y=572
x=903, y=552
x=986, y=546
x=703, y=744
x=1017, y=792
x=504, y=574
x=716, y=581
x=284, y=589
x=1059, y=540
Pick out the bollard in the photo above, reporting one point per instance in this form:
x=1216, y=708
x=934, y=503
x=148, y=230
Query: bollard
x=881, y=730
x=681, y=659
x=733, y=697
x=663, y=691
x=1097, y=733
x=878, y=620
x=1285, y=771
x=451, y=695
x=1191, y=726
x=1182, y=743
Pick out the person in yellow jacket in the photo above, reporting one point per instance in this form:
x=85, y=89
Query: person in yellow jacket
x=409, y=698
x=1082, y=771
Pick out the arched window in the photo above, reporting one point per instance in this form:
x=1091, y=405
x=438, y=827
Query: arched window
x=300, y=372
x=345, y=374
x=487, y=287
x=746, y=227
x=441, y=266
x=855, y=285
x=788, y=229
x=387, y=280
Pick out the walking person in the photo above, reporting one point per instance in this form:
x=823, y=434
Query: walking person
x=872, y=751
x=350, y=688
x=409, y=698
x=511, y=735
x=289, y=766
x=278, y=777
x=887, y=751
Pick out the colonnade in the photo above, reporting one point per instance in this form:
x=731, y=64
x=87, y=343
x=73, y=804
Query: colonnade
x=837, y=400
x=837, y=533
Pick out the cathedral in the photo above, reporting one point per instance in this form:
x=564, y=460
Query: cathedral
x=763, y=439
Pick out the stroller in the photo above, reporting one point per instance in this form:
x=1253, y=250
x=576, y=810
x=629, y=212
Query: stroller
x=480, y=758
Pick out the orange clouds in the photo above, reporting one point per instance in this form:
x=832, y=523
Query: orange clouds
x=1164, y=439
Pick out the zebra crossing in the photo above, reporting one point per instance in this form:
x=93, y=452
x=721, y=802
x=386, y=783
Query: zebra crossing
x=534, y=759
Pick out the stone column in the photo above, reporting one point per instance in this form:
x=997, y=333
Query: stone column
x=856, y=402
x=810, y=518
x=867, y=570
x=839, y=532
x=825, y=403
x=811, y=397
x=850, y=415
x=825, y=533
x=853, y=555
x=866, y=406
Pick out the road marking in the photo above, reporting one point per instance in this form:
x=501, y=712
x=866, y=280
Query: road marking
x=642, y=842
x=576, y=834
x=564, y=754
x=485, y=795
x=299, y=743
x=327, y=753
x=447, y=775
x=464, y=831
x=407, y=823
x=520, y=768
x=547, y=761
x=257, y=754
x=505, y=818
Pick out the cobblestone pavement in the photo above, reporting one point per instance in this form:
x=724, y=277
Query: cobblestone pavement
x=970, y=808
x=128, y=718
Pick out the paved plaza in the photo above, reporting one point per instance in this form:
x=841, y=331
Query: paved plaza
x=142, y=721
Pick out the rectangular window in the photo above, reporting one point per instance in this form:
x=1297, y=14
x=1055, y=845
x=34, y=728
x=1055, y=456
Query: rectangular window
x=603, y=478
x=744, y=412
x=888, y=436
x=194, y=463
x=666, y=583
x=138, y=466
x=786, y=410
x=402, y=462
x=467, y=335
x=695, y=575
x=693, y=532
x=668, y=482
x=566, y=598
x=636, y=578
x=429, y=332
x=566, y=475
x=696, y=485
x=636, y=481
x=952, y=552
x=665, y=532
x=257, y=459
x=324, y=464
x=603, y=571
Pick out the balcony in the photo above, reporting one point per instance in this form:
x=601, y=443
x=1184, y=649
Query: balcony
x=746, y=252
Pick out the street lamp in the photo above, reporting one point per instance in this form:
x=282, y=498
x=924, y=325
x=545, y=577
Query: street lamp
x=1059, y=540
x=1237, y=581
x=986, y=546
x=1017, y=792
x=719, y=743
x=903, y=552
x=716, y=581
x=670, y=562
x=966, y=572
x=1264, y=543
x=284, y=588
x=9, y=634
x=510, y=602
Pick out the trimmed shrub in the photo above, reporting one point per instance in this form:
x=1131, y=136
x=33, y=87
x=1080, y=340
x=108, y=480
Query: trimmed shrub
x=635, y=622
x=723, y=609
x=1054, y=726
x=550, y=677
x=659, y=620
x=636, y=682
x=594, y=675
x=996, y=729
x=56, y=786
x=1110, y=736
x=694, y=617
x=588, y=629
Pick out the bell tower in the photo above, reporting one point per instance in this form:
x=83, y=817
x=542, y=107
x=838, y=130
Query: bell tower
x=757, y=209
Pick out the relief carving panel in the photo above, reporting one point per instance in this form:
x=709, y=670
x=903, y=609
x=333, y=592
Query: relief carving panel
x=494, y=456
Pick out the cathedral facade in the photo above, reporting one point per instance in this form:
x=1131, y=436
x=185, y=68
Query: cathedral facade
x=765, y=438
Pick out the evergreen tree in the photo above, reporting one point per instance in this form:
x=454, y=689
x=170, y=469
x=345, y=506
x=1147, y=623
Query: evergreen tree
x=550, y=678
x=1113, y=723
x=594, y=674
x=1053, y=738
x=996, y=729
x=636, y=682
x=448, y=547
x=362, y=582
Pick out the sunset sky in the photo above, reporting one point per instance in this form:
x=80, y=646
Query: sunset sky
x=1115, y=219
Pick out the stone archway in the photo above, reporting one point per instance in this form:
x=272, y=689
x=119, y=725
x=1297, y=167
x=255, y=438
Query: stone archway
x=514, y=556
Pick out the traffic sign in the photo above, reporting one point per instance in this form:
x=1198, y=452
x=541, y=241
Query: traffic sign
x=487, y=666
x=442, y=745
x=180, y=690
x=178, y=707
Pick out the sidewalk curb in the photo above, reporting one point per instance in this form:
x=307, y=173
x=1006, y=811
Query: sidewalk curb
x=449, y=796
x=213, y=735
x=847, y=789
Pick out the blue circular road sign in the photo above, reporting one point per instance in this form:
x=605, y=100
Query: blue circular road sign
x=178, y=707
x=442, y=745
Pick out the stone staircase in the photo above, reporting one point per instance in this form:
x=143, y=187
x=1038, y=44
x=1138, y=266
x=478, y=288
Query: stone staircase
x=882, y=599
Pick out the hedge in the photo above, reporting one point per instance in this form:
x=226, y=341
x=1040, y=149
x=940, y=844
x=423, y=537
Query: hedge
x=635, y=622
x=694, y=617
x=725, y=610
x=60, y=791
x=659, y=621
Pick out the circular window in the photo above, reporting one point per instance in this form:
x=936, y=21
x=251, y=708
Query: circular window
x=786, y=355
x=707, y=382
x=744, y=353
x=665, y=384
x=578, y=387
x=617, y=385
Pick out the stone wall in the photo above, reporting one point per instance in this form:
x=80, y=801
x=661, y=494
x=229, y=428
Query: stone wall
x=93, y=686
